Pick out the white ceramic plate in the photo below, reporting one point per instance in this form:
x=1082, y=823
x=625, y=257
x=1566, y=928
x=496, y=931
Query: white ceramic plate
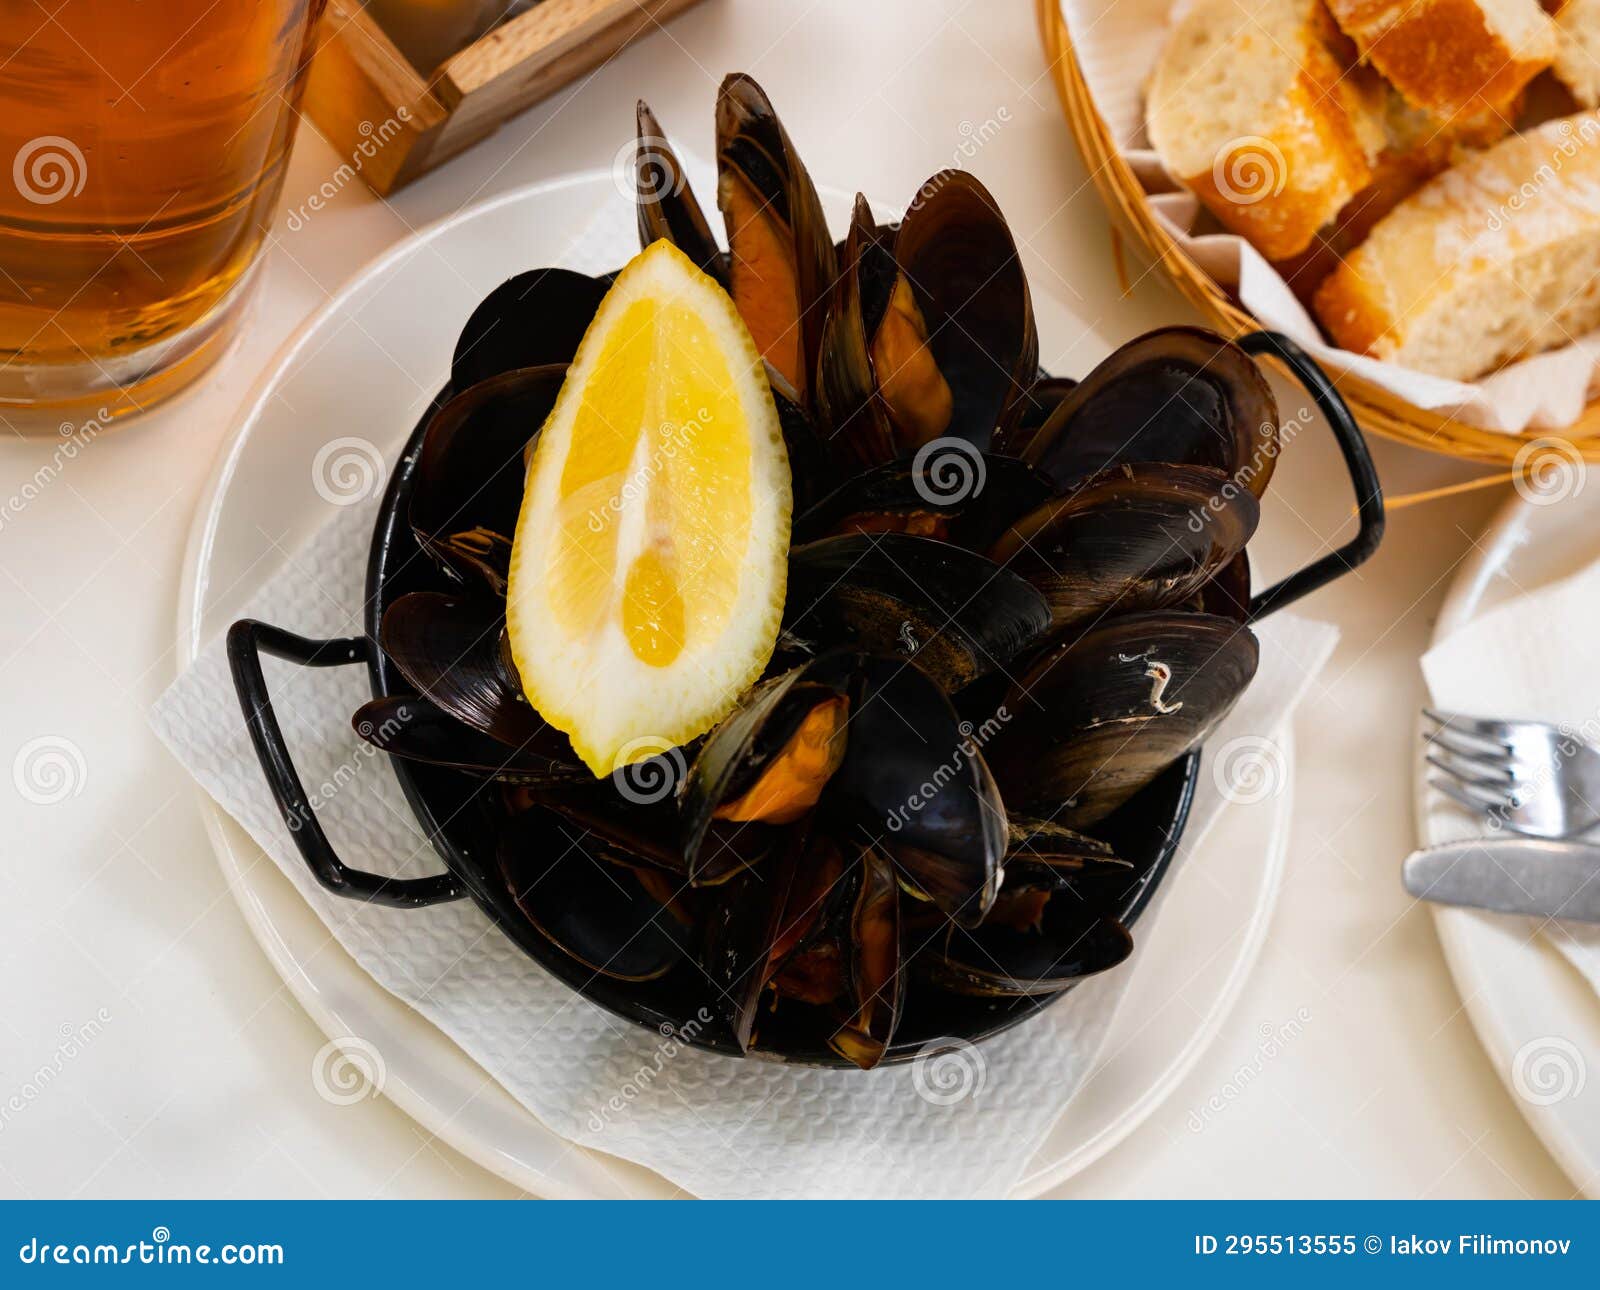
x=367, y=363
x=1519, y=990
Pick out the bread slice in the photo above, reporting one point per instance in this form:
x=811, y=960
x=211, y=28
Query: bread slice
x=1578, y=50
x=1495, y=259
x=1251, y=110
x=1452, y=56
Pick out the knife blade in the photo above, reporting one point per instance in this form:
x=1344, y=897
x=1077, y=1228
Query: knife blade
x=1511, y=876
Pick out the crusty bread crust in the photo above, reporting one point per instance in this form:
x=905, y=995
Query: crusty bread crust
x=1495, y=259
x=1450, y=56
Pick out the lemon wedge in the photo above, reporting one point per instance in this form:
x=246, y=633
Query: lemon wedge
x=649, y=562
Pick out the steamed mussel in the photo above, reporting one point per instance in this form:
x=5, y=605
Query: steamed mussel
x=1013, y=603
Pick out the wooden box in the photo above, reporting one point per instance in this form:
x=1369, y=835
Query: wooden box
x=393, y=122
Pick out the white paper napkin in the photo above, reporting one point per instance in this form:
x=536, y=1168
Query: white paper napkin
x=1532, y=657
x=716, y=1126
x=1117, y=46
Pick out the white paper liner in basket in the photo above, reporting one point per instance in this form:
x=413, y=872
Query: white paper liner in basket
x=716, y=1126
x=1117, y=45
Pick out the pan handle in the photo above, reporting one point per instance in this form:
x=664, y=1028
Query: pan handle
x=1357, y=460
x=247, y=641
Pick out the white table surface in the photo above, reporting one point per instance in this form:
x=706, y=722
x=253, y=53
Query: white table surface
x=198, y=1082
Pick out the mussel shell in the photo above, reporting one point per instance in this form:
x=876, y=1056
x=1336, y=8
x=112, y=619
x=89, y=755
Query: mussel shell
x=966, y=498
x=531, y=320
x=454, y=650
x=1228, y=594
x=635, y=828
x=418, y=730
x=737, y=937
x=600, y=915
x=957, y=252
x=1004, y=962
x=811, y=470
x=1178, y=394
x=847, y=395
x=953, y=612
x=1053, y=846
x=915, y=782
x=1095, y=719
x=877, y=985
x=1137, y=536
x=736, y=752
x=666, y=203
x=1032, y=411
x=753, y=146
x=471, y=468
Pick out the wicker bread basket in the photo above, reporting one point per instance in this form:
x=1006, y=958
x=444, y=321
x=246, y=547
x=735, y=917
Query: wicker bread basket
x=1377, y=409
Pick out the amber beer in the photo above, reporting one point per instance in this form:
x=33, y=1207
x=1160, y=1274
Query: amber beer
x=142, y=149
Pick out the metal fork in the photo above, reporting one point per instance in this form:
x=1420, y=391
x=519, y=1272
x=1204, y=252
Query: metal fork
x=1529, y=777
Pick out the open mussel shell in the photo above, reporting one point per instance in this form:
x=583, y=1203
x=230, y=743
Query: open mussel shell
x=453, y=649
x=914, y=780
x=951, y=611
x=956, y=252
x=470, y=472
x=876, y=983
x=768, y=762
x=1179, y=394
x=1063, y=943
x=780, y=257
x=531, y=320
x=414, y=728
x=952, y=493
x=666, y=203
x=1094, y=720
x=1036, y=841
x=599, y=914
x=1137, y=536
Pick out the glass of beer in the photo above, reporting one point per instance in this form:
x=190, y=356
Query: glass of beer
x=142, y=149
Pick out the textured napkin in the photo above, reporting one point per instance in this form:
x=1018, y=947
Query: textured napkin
x=963, y=1123
x=1117, y=46
x=1532, y=657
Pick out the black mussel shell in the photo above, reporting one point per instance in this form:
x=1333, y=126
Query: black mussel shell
x=877, y=985
x=1228, y=594
x=915, y=783
x=847, y=400
x=953, y=493
x=769, y=204
x=1034, y=409
x=470, y=473
x=957, y=253
x=953, y=612
x=1095, y=719
x=1035, y=841
x=1137, y=536
x=1066, y=943
x=412, y=727
x=811, y=470
x=737, y=937
x=531, y=320
x=454, y=650
x=735, y=754
x=598, y=913
x=632, y=821
x=1179, y=394
x=666, y=203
